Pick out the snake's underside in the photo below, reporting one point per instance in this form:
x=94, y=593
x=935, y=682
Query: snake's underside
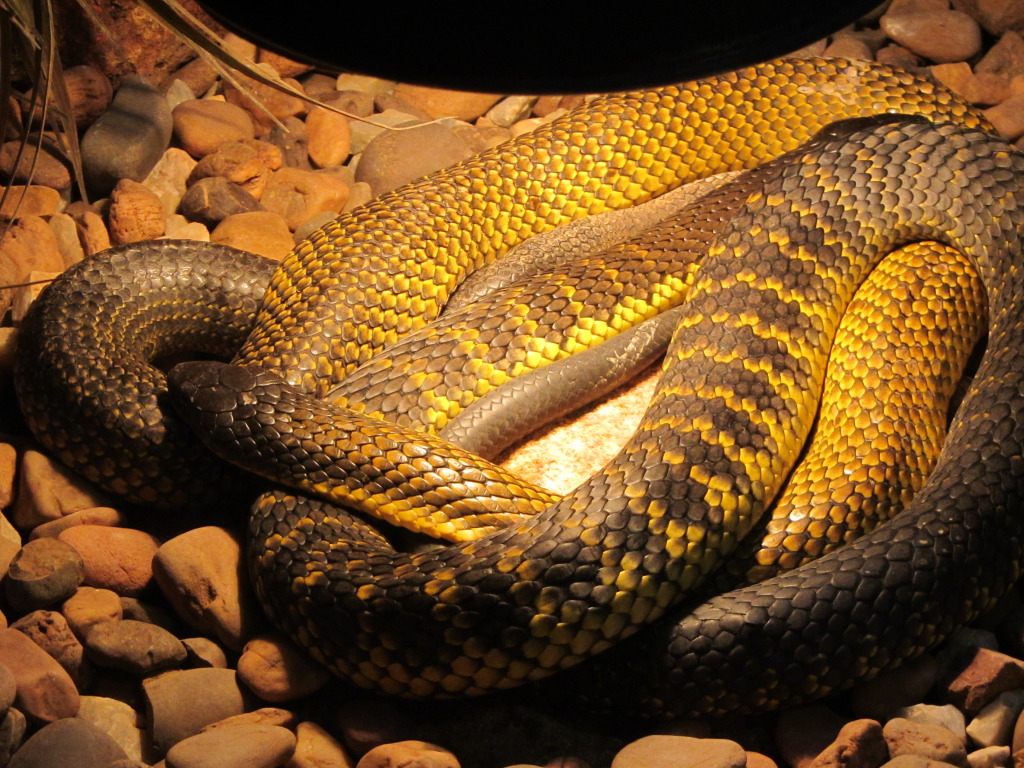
x=737, y=398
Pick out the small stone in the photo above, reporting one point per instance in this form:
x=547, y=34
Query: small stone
x=804, y=733
x=214, y=198
x=118, y=720
x=242, y=163
x=1008, y=117
x=89, y=93
x=93, y=233
x=916, y=761
x=8, y=689
x=364, y=132
x=848, y=47
x=88, y=607
x=282, y=64
x=384, y=102
x=50, y=631
x=262, y=232
x=955, y=75
x=150, y=613
x=312, y=225
x=134, y=647
x=203, y=652
x=290, y=138
x=259, y=100
x=352, y=103
x=1005, y=58
x=68, y=742
x=175, y=712
x=328, y=138
x=898, y=57
x=32, y=200
x=411, y=753
x=679, y=752
x=994, y=724
x=262, y=716
x=298, y=195
x=398, y=157
x=202, y=574
x=44, y=572
x=348, y=81
x=8, y=463
x=996, y=16
x=947, y=716
x=985, y=674
x=202, y=125
x=177, y=90
x=860, y=744
x=238, y=746
x=909, y=683
x=28, y=246
x=316, y=748
x=277, y=671
x=939, y=35
x=106, y=516
x=931, y=741
x=989, y=757
x=441, y=102
x=359, y=193
x=135, y=214
x=35, y=164
x=48, y=490
x=191, y=230
x=118, y=559
x=10, y=544
x=168, y=178
x=65, y=230
x=511, y=110
x=127, y=140
x=12, y=734
x=45, y=692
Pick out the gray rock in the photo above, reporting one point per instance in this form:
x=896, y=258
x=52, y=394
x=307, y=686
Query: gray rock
x=214, y=198
x=128, y=139
x=68, y=742
x=134, y=646
x=44, y=572
x=394, y=158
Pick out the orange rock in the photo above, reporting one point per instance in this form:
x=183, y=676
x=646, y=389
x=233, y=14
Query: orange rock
x=118, y=559
x=985, y=674
x=282, y=64
x=88, y=607
x=202, y=125
x=30, y=246
x=93, y=233
x=89, y=92
x=860, y=744
x=48, y=490
x=329, y=140
x=440, y=102
x=92, y=516
x=936, y=35
x=316, y=748
x=38, y=165
x=8, y=461
x=401, y=753
x=905, y=737
x=31, y=200
x=277, y=671
x=298, y=195
x=680, y=752
x=45, y=691
x=263, y=232
x=135, y=214
x=1008, y=117
x=260, y=99
x=241, y=162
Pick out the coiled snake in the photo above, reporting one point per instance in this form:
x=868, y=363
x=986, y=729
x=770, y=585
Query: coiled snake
x=736, y=399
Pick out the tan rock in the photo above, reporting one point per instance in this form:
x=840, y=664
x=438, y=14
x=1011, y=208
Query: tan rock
x=906, y=737
x=238, y=746
x=359, y=193
x=24, y=295
x=298, y=195
x=42, y=573
x=202, y=125
x=989, y=757
x=409, y=753
x=262, y=232
x=203, y=652
x=939, y=35
x=262, y=716
x=1008, y=117
x=440, y=102
x=759, y=760
x=135, y=213
x=118, y=720
x=10, y=544
x=946, y=715
x=45, y=691
x=93, y=233
x=29, y=245
x=118, y=559
x=848, y=47
x=168, y=179
x=282, y=64
x=985, y=674
x=51, y=632
x=244, y=163
x=994, y=724
x=897, y=56
x=348, y=81
x=31, y=163
x=65, y=230
x=954, y=75
x=260, y=99
x=136, y=647
x=679, y=752
x=88, y=607
x=316, y=748
x=30, y=200
x=202, y=574
x=190, y=230
x=394, y=158
x=328, y=138
x=996, y=16
x=89, y=92
x=277, y=671
x=860, y=744
x=107, y=516
x=48, y=490
x=1006, y=57
x=8, y=465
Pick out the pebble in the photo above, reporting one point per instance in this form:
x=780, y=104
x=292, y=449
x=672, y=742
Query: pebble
x=10, y=544
x=394, y=158
x=29, y=200
x=932, y=741
x=174, y=711
x=235, y=746
x=135, y=647
x=50, y=631
x=127, y=140
x=994, y=724
x=68, y=243
x=511, y=110
x=45, y=691
x=118, y=559
x=202, y=125
x=278, y=104
x=89, y=93
x=860, y=744
x=1008, y=117
x=70, y=741
x=135, y=214
x=214, y=198
x=8, y=463
x=988, y=757
x=203, y=652
x=316, y=748
x=262, y=232
x=105, y=516
x=420, y=754
x=363, y=132
x=291, y=141
x=12, y=733
x=88, y=607
x=47, y=490
x=93, y=233
x=277, y=671
x=680, y=752
x=36, y=165
x=247, y=163
x=328, y=137
x=44, y=572
x=938, y=35
x=168, y=179
x=8, y=689
x=984, y=674
x=297, y=195
x=996, y=16
x=442, y=102
x=118, y=720
x=202, y=574
x=947, y=716
x=28, y=246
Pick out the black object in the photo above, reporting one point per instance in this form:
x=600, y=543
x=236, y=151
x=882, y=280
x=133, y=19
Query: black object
x=538, y=48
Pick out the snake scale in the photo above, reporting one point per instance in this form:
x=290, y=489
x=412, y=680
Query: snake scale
x=736, y=399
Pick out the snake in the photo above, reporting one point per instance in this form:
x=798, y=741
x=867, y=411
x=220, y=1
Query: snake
x=743, y=371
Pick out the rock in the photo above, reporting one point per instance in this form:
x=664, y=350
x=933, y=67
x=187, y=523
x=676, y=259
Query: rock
x=291, y=140
x=989, y=757
x=203, y=652
x=260, y=99
x=10, y=544
x=984, y=675
x=12, y=733
x=8, y=463
x=29, y=200
x=1005, y=58
x=168, y=178
x=66, y=232
x=511, y=110
x=190, y=230
x=916, y=761
x=118, y=559
x=996, y=16
x=939, y=35
x=238, y=746
x=202, y=574
x=352, y=103
x=359, y=193
x=202, y=125
x=44, y=572
x=135, y=214
x=804, y=733
x=247, y=163
x=909, y=683
x=8, y=689
x=316, y=748
x=1008, y=117
x=679, y=752
x=395, y=158
x=441, y=102
x=947, y=716
x=150, y=613
x=174, y=711
x=860, y=744
x=932, y=741
x=994, y=724
x=298, y=195
x=263, y=232
x=312, y=225
x=28, y=246
x=384, y=102
x=848, y=47
x=328, y=138
x=47, y=491
x=118, y=720
x=50, y=631
x=282, y=64
x=213, y=199
x=134, y=647
x=348, y=81
x=261, y=716
x=45, y=692
x=36, y=165
x=277, y=671
x=93, y=233
x=105, y=516
x=88, y=607
x=89, y=92
x=410, y=753
x=897, y=56
x=70, y=741
x=128, y=139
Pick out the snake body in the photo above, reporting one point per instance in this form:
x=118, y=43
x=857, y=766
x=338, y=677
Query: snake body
x=737, y=397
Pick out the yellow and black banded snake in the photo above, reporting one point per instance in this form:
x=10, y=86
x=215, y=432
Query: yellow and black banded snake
x=737, y=398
